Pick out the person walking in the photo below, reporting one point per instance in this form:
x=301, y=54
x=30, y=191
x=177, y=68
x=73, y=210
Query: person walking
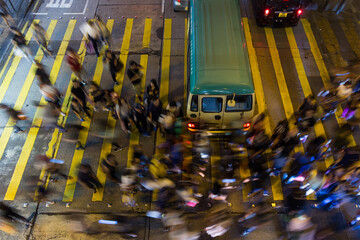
x=91, y=33
x=19, y=42
x=40, y=37
x=52, y=95
x=4, y=13
x=88, y=179
x=154, y=113
x=15, y=116
x=135, y=76
x=123, y=113
x=78, y=92
x=152, y=91
x=115, y=64
x=73, y=59
x=41, y=75
x=105, y=34
x=139, y=117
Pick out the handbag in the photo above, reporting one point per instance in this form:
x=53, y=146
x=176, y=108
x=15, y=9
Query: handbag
x=89, y=47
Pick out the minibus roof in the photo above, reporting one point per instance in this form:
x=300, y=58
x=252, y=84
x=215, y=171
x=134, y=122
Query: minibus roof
x=220, y=62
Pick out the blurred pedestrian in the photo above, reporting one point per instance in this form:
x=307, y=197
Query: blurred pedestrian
x=139, y=118
x=20, y=47
x=108, y=166
x=88, y=179
x=124, y=114
x=115, y=64
x=154, y=112
x=91, y=33
x=41, y=38
x=135, y=75
x=79, y=93
x=10, y=214
x=5, y=15
x=73, y=59
x=98, y=96
x=41, y=74
x=15, y=116
x=152, y=91
x=105, y=35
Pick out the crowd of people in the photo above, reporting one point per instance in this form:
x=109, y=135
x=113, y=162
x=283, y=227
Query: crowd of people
x=181, y=172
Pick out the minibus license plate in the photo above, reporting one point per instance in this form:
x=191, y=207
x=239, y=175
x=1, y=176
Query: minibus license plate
x=283, y=14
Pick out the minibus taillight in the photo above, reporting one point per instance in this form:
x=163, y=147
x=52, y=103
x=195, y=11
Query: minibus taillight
x=299, y=12
x=246, y=126
x=266, y=12
x=191, y=125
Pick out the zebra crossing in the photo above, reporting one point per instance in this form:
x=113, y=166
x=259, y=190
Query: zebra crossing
x=276, y=79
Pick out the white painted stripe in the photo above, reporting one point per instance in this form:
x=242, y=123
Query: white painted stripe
x=82, y=13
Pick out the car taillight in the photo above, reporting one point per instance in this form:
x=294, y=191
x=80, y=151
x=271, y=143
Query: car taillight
x=178, y=1
x=191, y=125
x=246, y=125
x=299, y=12
x=266, y=12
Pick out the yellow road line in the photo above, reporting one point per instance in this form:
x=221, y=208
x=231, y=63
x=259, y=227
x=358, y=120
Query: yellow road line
x=54, y=143
x=82, y=139
x=164, y=82
x=351, y=35
x=276, y=186
x=12, y=69
x=37, y=2
x=331, y=42
x=124, y=53
x=31, y=137
x=319, y=128
x=185, y=63
x=5, y=136
x=12, y=52
x=322, y=69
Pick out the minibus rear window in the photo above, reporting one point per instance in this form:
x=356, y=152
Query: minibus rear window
x=211, y=104
x=242, y=103
x=194, y=103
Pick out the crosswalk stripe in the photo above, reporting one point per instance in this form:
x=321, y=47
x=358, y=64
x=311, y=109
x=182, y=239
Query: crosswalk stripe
x=5, y=136
x=319, y=128
x=54, y=144
x=330, y=41
x=351, y=35
x=31, y=137
x=322, y=69
x=82, y=139
x=164, y=82
x=12, y=69
x=12, y=52
x=276, y=186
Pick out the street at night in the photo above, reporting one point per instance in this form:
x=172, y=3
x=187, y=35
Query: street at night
x=167, y=119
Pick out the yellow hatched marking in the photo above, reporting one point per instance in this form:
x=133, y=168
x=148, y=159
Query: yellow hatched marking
x=54, y=143
x=5, y=136
x=319, y=128
x=276, y=186
x=322, y=69
x=12, y=69
x=31, y=137
x=330, y=41
x=185, y=62
x=78, y=154
x=124, y=54
x=82, y=139
x=12, y=52
x=164, y=83
x=351, y=35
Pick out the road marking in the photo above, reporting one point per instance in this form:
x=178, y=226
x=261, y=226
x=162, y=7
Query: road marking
x=81, y=13
x=5, y=136
x=15, y=63
x=54, y=144
x=330, y=41
x=351, y=35
x=322, y=70
x=319, y=128
x=276, y=186
x=36, y=4
x=31, y=137
x=78, y=155
x=65, y=4
x=164, y=82
x=162, y=6
x=185, y=63
x=12, y=52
